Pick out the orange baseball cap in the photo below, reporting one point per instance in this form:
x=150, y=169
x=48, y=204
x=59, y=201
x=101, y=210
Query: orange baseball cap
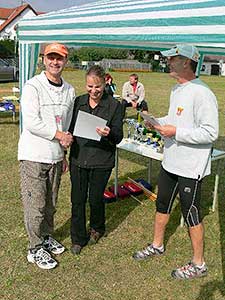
x=56, y=48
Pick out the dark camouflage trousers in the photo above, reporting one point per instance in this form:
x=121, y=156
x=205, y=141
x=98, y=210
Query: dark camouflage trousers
x=39, y=189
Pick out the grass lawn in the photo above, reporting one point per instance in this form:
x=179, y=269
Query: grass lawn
x=106, y=271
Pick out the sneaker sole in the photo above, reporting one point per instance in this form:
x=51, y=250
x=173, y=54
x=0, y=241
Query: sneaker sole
x=187, y=278
x=47, y=267
x=30, y=259
x=146, y=257
x=56, y=252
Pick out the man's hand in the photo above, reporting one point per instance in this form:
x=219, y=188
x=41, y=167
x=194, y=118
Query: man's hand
x=166, y=130
x=65, y=138
x=103, y=131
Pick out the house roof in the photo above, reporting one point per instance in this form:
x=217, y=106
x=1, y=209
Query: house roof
x=9, y=14
x=5, y=12
x=214, y=58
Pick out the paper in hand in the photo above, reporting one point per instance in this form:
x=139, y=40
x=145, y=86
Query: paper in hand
x=152, y=120
x=86, y=124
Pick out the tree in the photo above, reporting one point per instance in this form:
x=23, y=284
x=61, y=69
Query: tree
x=97, y=54
x=7, y=48
x=144, y=56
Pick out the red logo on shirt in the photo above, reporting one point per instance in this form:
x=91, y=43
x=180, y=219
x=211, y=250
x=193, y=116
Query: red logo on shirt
x=58, y=119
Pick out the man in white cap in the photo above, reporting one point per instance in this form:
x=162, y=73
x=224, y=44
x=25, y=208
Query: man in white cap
x=47, y=104
x=189, y=130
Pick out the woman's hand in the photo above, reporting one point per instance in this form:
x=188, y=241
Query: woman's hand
x=103, y=131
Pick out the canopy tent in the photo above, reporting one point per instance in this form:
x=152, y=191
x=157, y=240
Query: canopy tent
x=143, y=24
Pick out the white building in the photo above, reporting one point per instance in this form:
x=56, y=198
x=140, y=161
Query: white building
x=9, y=17
x=213, y=65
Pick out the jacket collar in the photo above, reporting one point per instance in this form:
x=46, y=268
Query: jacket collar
x=103, y=102
x=50, y=86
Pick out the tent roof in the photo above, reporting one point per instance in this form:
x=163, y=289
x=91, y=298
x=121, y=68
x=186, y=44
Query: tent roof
x=146, y=24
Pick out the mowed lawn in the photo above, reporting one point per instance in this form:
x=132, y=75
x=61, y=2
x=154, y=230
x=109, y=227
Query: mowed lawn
x=107, y=271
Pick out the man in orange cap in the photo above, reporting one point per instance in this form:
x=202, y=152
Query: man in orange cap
x=47, y=104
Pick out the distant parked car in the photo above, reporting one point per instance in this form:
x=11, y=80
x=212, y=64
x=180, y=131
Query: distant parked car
x=8, y=72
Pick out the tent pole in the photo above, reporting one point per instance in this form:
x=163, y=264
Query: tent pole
x=200, y=64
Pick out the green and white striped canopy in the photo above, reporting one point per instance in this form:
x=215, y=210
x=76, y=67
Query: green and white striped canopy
x=137, y=24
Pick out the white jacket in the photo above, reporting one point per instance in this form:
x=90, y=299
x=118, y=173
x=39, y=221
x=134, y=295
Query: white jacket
x=194, y=112
x=129, y=95
x=45, y=109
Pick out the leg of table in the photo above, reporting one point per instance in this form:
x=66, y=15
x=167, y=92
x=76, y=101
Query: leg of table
x=216, y=184
x=149, y=169
x=116, y=172
x=14, y=115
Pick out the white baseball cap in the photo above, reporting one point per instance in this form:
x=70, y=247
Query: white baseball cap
x=188, y=51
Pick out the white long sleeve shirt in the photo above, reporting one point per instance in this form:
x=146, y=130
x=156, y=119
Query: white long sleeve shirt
x=130, y=95
x=45, y=109
x=194, y=112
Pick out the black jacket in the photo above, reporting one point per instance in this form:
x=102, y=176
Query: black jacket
x=87, y=153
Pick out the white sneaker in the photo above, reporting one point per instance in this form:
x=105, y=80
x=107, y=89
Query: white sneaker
x=41, y=258
x=53, y=246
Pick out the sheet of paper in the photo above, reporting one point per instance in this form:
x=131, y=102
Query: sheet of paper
x=86, y=124
x=150, y=119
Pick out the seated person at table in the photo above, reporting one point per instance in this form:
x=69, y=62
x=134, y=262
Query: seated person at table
x=133, y=94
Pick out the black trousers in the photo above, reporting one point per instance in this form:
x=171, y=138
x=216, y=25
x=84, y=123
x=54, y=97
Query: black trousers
x=87, y=184
x=142, y=106
x=189, y=189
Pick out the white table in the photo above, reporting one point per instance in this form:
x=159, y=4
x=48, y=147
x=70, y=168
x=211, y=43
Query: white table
x=146, y=151
x=217, y=155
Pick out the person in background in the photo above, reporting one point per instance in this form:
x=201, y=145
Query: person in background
x=110, y=86
x=47, y=102
x=133, y=95
x=189, y=130
x=91, y=161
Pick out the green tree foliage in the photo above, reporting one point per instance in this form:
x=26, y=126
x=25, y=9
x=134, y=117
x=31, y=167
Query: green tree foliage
x=6, y=48
x=97, y=54
x=144, y=56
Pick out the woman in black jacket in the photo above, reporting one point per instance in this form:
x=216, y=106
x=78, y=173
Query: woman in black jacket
x=91, y=162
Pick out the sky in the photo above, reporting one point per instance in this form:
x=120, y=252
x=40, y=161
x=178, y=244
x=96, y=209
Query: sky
x=44, y=5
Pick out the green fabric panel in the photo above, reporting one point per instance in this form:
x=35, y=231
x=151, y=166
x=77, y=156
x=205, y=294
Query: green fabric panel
x=131, y=8
x=211, y=20
x=172, y=38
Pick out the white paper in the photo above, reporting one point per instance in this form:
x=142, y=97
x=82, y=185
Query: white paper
x=86, y=124
x=152, y=120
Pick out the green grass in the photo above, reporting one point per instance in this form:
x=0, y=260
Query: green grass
x=106, y=271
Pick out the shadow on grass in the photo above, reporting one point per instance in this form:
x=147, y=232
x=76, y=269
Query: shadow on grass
x=216, y=286
x=63, y=232
x=209, y=289
x=173, y=223
x=6, y=118
x=117, y=212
